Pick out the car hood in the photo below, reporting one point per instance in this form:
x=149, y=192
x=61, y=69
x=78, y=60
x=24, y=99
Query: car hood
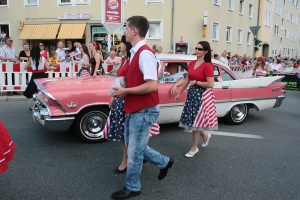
x=75, y=84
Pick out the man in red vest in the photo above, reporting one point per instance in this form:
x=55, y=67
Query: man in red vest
x=141, y=108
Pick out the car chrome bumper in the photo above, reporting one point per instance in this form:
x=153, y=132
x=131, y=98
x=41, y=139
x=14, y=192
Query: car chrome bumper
x=54, y=124
x=279, y=100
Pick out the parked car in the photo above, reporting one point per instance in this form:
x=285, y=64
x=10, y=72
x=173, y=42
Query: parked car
x=82, y=102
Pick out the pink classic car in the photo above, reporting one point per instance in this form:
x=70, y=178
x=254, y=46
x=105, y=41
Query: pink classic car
x=82, y=102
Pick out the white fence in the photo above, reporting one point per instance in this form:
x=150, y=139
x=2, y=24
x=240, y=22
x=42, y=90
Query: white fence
x=10, y=71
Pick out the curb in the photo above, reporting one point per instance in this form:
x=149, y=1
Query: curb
x=12, y=98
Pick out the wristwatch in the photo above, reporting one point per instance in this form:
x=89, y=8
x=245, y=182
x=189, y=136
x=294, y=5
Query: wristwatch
x=196, y=82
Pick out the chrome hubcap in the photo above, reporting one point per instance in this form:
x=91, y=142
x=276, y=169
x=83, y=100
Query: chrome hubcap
x=93, y=125
x=239, y=112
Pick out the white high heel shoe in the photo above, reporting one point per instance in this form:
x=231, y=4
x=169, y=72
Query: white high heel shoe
x=191, y=154
x=207, y=141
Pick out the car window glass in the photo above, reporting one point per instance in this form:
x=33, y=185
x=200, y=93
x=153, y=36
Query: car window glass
x=226, y=76
x=181, y=69
x=216, y=73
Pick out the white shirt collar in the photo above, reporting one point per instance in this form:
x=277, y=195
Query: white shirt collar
x=138, y=46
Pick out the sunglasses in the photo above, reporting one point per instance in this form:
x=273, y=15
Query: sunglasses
x=80, y=47
x=258, y=60
x=199, y=49
x=10, y=40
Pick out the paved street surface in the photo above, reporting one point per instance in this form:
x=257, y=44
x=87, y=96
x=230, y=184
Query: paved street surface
x=259, y=159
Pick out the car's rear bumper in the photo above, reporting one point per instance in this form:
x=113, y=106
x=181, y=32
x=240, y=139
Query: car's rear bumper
x=279, y=100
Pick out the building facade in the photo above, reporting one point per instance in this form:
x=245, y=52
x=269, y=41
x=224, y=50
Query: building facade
x=174, y=24
x=279, y=28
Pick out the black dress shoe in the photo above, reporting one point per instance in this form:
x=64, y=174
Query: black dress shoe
x=118, y=171
x=125, y=194
x=163, y=172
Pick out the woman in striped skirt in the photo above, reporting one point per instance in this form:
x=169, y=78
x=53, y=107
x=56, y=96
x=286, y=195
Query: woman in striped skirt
x=114, y=127
x=199, y=112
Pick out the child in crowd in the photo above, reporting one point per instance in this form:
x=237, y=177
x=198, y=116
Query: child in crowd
x=53, y=61
x=68, y=58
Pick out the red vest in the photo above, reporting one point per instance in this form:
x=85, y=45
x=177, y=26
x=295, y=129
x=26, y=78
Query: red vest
x=134, y=77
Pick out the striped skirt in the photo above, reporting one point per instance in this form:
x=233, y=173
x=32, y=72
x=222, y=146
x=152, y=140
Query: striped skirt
x=7, y=148
x=199, y=112
x=114, y=127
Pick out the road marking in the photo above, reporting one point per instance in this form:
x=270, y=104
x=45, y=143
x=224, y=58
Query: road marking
x=240, y=135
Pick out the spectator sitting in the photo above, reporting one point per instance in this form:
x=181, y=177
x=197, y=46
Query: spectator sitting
x=223, y=57
x=112, y=59
x=216, y=56
x=174, y=77
x=154, y=47
x=159, y=49
x=53, y=61
x=2, y=37
x=179, y=51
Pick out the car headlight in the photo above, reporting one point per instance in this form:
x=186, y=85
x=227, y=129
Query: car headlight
x=47, y=100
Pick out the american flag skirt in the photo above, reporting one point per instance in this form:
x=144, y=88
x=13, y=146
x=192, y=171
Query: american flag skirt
x=199, y=112
x=114, y=127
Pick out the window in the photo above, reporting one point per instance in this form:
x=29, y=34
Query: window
x=298, y=5
x=274, y=50
x=278, y=9
x=226, y=76
x=215, y=31
x=286, y=33
x=31, y=2
x=3, y=3
x=240, y=36
x=269, y=1
x=155, y=30
x=228, y=33
x=276, y=30
x=217, y=2
x=154, y=1
x=248, y=38
x=73, y=2
x=267, y=18
x=241, y=7
x=250, y=11
x=230, y=5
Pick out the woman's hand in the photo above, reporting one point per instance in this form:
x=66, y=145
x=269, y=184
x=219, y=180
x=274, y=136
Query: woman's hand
x=173, y=89
x=177, y=98
x=111, y=102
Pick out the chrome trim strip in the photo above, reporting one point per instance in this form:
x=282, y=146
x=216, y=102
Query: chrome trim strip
x=171, y=105
x=54, y=100
x=44, y=103
x=245, y=99
x=279, y=101
x=37, y=84
x=88, y=105
x=60, y=119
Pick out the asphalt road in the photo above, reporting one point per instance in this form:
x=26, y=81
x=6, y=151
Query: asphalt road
x=59, y=166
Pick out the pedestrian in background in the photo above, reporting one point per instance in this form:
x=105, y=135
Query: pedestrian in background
x=141, y=108
x=8, y=53
x=43, y=52
x=25, y=53
x=199, y=112
x=37, y=63
x=95, y=60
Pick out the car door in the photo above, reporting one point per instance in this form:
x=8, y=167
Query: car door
x=222, y=90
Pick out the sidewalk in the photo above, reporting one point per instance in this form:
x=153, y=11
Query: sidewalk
x=5, y=98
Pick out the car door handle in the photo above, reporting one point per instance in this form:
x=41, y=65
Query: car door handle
x=225, y=87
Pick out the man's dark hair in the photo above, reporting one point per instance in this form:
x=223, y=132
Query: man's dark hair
x=140, y=23
x=215, y=55
x=67, y=51
x=206, y=47
x=7, y=38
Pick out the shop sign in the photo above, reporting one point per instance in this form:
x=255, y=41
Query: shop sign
x=113, y=11
x=100, y=30
x=74, y=16
x=21, y=24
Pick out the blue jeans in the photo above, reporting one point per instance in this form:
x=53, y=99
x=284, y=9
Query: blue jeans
x=137, y=127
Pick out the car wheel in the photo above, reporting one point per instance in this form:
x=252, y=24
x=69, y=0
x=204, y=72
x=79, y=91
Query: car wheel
x=237, y=114
x=90, y=124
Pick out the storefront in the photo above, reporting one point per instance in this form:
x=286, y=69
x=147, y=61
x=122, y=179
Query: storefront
x=100, y=35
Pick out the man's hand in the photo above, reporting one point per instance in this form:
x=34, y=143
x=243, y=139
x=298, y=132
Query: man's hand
x=120, y=92
x=173, y=89
x=192, y=82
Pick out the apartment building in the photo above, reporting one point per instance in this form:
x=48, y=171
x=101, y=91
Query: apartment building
x=279, y=28
x=174, y=24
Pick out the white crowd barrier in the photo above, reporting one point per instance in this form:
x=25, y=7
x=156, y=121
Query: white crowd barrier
x=10, y=71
